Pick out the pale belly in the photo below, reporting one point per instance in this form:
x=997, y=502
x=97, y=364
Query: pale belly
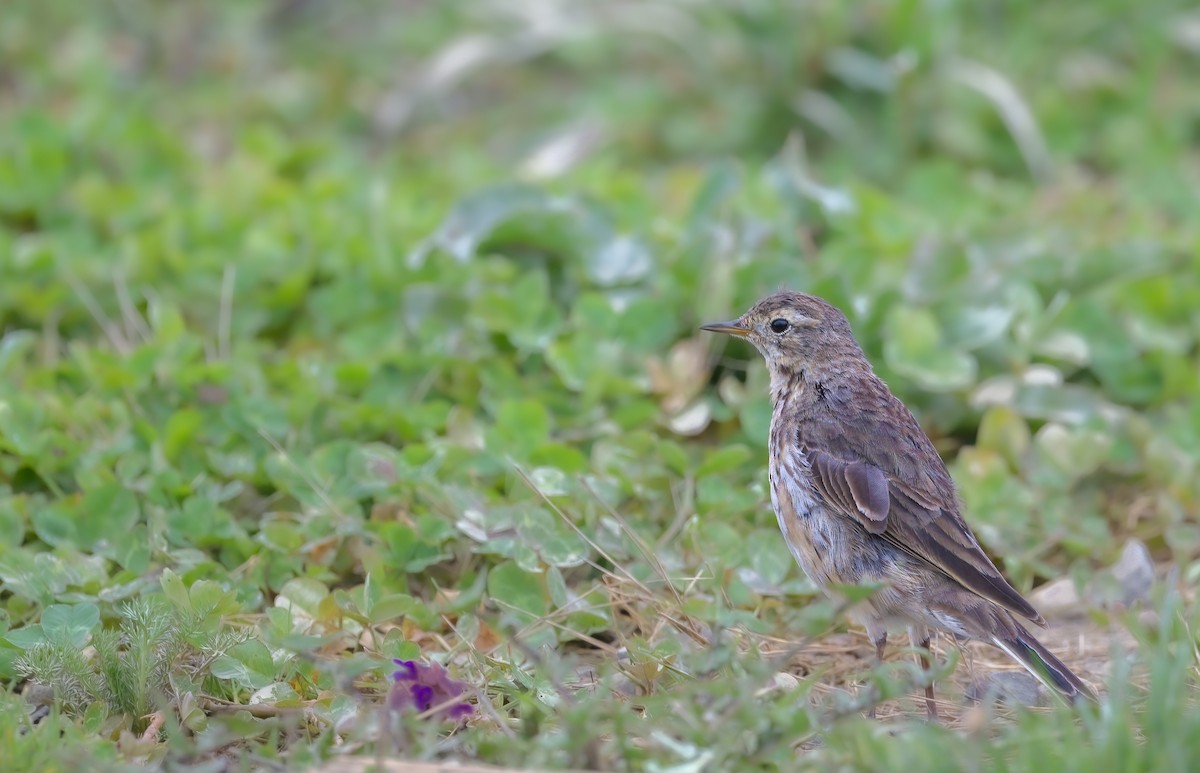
x=834, y=550
x=807, y=530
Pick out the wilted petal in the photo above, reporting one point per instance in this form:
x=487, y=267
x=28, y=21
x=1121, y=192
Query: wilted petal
x=422, y=696
x=421, y=687
x=407, y=672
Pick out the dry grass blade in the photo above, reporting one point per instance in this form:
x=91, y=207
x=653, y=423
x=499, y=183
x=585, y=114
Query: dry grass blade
x=375, y=765
x=112, y=331
x=225, y=315
x=1013, y=111
x=644, y=549
x=588, y=540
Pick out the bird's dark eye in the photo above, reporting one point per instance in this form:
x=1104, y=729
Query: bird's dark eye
x=780, y=325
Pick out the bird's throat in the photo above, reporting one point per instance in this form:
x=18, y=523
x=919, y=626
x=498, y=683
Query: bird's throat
x=786, y=384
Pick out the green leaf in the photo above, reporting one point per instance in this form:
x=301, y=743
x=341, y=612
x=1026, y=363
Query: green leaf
x=391, y=607
x=722, y=544
x=970, y=327
x=723, y=459
x=647, y=325
x=249, y=664
x=855, y=593
x=521, y=426
x=14, y=345
x=1072, y=452
x=55, y=526
x=755, y=418
x=210, y=600
x=106, y=514
x=302, y=593
x=619, y=260
x=769, y=556
x=26, y=636
x=175, y=591
x=914, y=348
x=180, y=432
x=409, y=550
x=515, y=214
x=70, y=625
x=1004, y=431
x=515, y=587
x=12, y=524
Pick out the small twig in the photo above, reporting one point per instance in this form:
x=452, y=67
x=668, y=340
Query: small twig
x=646, y=552
x=51, y=341
x=114, y=334
x=225, y=314
x=590, y=542
x=257, y=710
x=134, y=322
x=1014, y=112
x=683, y=511
x=309, y=478
x=590, y=752
x=1195, y=648
x=484, y=706
x=603, y=646
x=156, y=722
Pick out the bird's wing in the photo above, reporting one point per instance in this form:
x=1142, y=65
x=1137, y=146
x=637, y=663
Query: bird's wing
x=918, y=515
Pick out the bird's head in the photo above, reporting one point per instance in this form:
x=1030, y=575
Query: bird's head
x=795, y=333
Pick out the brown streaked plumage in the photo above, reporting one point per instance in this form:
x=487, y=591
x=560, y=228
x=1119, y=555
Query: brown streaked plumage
x=862, y=496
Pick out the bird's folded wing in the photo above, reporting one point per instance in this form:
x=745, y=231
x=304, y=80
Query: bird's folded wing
x=857, y=488
x=915, y=522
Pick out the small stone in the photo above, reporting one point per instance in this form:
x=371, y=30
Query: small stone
x=815, y=742
x=1016, y=688
x=1126, y=582
x=782, y=681
x=1134, y=571
x=40, y=699
x=691, y=420
x=623, y=685
x=1057, y=598
x=974, y=719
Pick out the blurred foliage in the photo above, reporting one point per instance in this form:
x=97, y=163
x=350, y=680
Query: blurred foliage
x=377, y=324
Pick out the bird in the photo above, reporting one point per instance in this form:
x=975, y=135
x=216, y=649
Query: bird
x=863, y=498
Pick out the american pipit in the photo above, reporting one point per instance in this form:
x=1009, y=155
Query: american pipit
x=863, y=497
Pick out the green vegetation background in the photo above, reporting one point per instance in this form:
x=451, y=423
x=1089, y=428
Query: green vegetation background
x=334, y=333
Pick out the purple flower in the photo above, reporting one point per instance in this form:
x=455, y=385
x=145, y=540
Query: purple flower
x=422, y=687
x=407, y=672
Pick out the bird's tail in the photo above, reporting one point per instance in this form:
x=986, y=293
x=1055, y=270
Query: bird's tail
x=1043, y=664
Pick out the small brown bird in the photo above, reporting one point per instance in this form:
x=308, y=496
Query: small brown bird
x=863, y=497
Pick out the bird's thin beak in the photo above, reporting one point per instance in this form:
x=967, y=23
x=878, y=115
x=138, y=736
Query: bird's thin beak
x=733, y=328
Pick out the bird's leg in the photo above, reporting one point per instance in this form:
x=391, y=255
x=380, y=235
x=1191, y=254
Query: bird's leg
x=926, y=658
x=880, y=646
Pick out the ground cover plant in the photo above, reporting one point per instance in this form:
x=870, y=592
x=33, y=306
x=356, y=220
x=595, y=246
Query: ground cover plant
x=352, y=405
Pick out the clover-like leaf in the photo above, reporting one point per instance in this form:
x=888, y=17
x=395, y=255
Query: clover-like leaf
x=914, y=348
x=249, y=664
x=513, y=586
x=70, y=625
